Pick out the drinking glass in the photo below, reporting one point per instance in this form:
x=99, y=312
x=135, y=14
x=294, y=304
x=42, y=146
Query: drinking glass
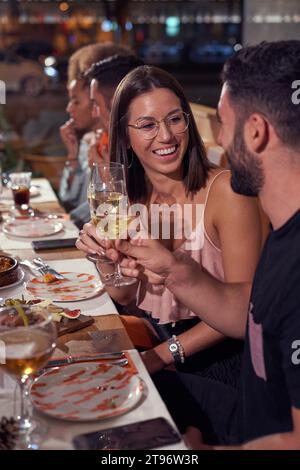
x=20, y=185
x=28, y=335
x=107, y=197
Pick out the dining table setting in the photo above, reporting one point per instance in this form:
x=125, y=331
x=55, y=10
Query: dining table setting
x=61, y=337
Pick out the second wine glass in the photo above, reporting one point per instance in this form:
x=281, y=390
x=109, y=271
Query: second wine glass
x=107, y=196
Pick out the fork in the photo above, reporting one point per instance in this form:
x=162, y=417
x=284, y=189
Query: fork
x=45, y=268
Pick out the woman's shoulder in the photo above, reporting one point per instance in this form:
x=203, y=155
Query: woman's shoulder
x=221, y=195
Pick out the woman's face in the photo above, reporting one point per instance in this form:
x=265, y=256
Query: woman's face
x=165, y=152
x=80, y=107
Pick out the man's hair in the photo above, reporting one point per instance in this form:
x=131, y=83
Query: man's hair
x=109, y=72
x=259, y=79
x=82, y=59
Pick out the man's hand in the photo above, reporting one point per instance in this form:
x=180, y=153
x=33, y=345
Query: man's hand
x=193, y=439
x=156, y=260
x=69, y=138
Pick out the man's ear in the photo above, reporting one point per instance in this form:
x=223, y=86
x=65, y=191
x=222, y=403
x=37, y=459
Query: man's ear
x=256, y=133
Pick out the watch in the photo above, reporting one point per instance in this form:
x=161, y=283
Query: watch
x=176, y=350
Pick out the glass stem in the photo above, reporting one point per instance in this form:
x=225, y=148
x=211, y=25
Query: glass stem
x=119, y=275
x=25, y=409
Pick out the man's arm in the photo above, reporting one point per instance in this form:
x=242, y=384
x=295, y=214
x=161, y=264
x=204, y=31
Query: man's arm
x=281, y=441
x=223, y=306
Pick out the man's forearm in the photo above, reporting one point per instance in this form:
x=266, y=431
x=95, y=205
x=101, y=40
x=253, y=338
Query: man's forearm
x=222, y=306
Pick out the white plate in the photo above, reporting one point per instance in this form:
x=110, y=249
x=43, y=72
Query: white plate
x=87, y=391
x=76, y=286
x=15, y=283
x=32, y=228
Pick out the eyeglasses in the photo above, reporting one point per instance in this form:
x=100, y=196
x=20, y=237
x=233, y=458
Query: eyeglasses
x=149, y=127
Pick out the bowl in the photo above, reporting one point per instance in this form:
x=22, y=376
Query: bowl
x=9, y=270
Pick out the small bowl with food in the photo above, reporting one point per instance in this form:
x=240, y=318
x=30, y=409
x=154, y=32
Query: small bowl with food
x=10, y=271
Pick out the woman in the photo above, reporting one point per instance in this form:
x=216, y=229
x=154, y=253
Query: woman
x=153, y=131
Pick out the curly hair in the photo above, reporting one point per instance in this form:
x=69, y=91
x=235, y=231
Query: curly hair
x=109, y=72
x=84, y=57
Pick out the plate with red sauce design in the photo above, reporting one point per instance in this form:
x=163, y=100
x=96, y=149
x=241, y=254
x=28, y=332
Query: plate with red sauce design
x=76, y=286
x=87, y=391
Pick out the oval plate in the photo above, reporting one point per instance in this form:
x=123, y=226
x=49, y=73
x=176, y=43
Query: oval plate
x=32, y=228
x=87, y=391
x=76, y=286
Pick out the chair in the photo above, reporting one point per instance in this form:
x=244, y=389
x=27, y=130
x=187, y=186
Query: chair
x=208, y=127
x=49, y=167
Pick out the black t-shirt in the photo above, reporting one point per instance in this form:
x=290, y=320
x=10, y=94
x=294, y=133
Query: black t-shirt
x=271, y=373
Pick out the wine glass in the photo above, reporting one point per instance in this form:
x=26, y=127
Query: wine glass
x=108, y=200
x=28, y=335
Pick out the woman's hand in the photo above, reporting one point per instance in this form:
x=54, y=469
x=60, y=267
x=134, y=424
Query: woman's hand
x=131, y=268
x=89, y=242
x=69, y=138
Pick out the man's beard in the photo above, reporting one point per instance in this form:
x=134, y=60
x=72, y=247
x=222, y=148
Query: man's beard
x=247, y=176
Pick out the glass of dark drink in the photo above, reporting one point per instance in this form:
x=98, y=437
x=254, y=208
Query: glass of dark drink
x=20, y=185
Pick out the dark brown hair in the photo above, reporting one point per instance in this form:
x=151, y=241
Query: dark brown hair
x=195, y=163
x=110, y=71
x=259, y=79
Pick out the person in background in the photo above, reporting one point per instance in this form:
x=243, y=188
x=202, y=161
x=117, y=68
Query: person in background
x=153, y=131
x=78, y=133
x=104, y=77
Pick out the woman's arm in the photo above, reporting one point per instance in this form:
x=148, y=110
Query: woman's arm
x=90, y=243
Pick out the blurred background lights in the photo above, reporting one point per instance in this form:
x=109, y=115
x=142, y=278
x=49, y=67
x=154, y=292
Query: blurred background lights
x=64, y=6
x=106, y=26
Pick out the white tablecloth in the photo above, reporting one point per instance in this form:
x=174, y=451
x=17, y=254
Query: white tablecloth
x=18, y=243
x=61, y=432
x=101, y=304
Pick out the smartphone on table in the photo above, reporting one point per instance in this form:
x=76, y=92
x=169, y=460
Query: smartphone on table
x=149, y=434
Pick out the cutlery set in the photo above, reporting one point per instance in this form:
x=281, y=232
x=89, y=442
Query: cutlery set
x=117, y=358
x=37, y=264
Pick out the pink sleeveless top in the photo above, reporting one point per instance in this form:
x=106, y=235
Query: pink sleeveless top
x=158, y=300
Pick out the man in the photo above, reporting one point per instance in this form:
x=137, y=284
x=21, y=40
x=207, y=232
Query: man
x=78, y=132
x=260, y=131
x=104, y=77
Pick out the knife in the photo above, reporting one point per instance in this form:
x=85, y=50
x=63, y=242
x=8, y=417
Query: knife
x=94, y=357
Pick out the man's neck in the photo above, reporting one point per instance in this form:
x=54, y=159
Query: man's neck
x=280, y=197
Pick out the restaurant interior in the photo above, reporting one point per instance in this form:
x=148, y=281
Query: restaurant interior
x=80, y=352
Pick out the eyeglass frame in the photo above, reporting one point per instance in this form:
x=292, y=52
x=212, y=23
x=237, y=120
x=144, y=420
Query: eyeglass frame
x=186, y=115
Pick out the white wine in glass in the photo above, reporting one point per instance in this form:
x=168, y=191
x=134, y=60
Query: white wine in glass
x=29, y=336
x=107, y=197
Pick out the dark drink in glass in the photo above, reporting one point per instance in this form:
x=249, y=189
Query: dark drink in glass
x=21, y=196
